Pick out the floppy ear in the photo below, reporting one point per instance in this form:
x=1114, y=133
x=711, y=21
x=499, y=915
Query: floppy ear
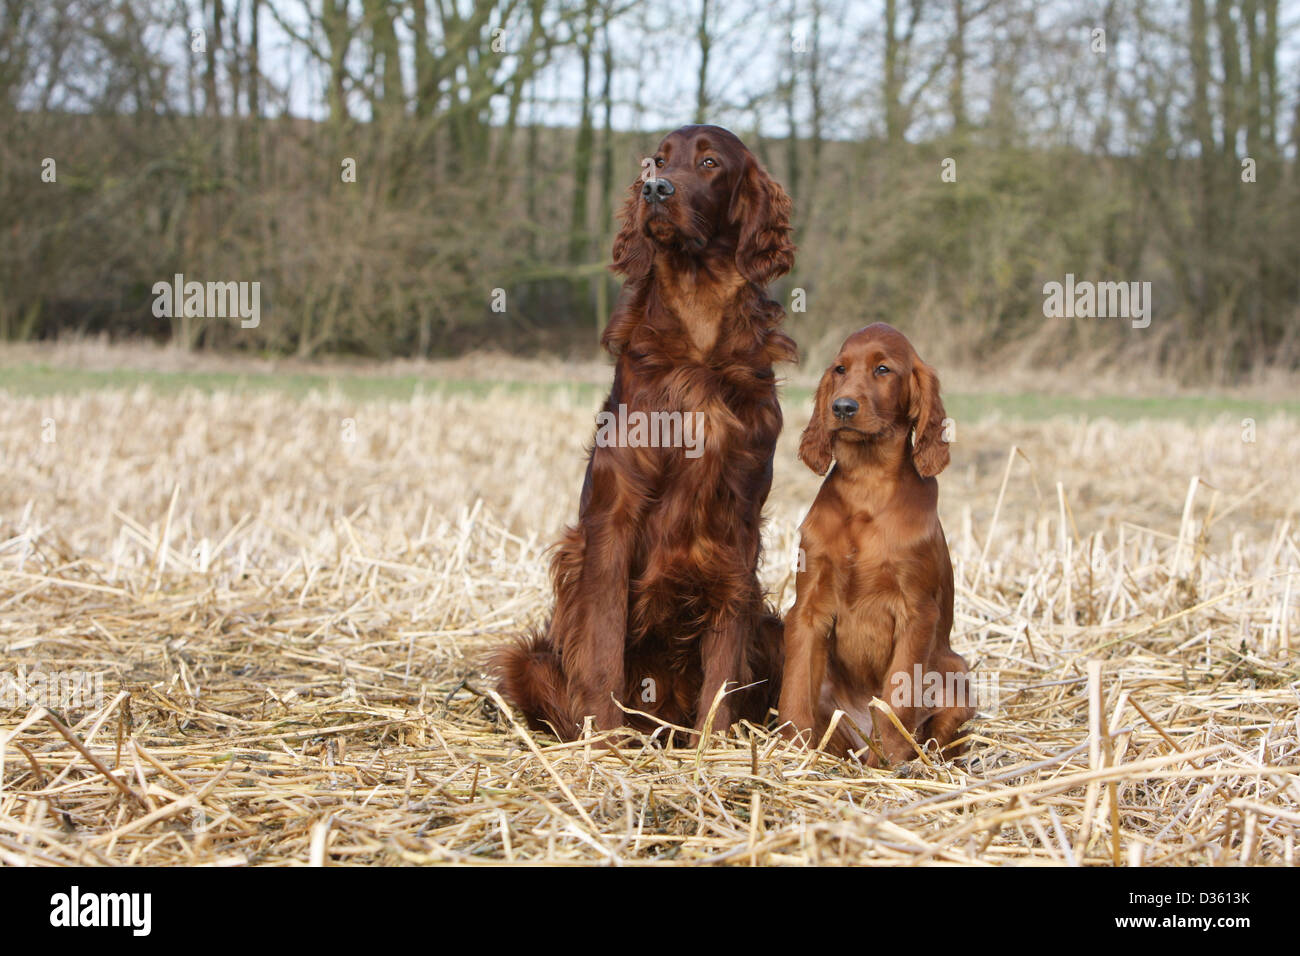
x=815, y=443
x=633, y=254
x=762, y=209
x=925, y=409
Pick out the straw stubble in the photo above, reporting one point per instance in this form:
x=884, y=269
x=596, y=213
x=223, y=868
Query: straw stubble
x=290, y=628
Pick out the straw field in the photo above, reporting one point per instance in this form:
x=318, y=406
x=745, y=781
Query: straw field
x=283, y=606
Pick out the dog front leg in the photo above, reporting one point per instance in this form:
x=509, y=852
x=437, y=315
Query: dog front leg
x=907, y=697
x=807, y=627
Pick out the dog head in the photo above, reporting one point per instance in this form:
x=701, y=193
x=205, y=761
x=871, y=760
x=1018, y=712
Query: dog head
x=709, y=195
x=877, y=388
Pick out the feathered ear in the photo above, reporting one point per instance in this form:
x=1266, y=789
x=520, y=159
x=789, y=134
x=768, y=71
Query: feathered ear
x=762, y=209
x=925, y=409
x=633, y=253
x=815, y=443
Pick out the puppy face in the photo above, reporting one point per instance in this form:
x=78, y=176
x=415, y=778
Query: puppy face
x=877, y=389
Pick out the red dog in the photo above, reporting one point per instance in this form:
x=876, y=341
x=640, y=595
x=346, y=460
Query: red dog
x=657, y=600
x=873, y=609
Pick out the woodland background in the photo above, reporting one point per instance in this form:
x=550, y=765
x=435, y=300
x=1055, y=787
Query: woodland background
x=494, y=140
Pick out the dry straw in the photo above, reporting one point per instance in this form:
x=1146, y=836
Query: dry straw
x=288, y=603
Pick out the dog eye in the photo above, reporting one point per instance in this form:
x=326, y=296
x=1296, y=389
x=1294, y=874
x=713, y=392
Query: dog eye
x=709, y=161
x=882, y=369
x=659, y=161
x=839, y=370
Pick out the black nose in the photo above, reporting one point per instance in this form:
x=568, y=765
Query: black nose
x=844, y=408
x=656, y=190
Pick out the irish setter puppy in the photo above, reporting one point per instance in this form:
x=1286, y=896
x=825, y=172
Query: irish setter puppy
x=873, y=608
x=657, y=600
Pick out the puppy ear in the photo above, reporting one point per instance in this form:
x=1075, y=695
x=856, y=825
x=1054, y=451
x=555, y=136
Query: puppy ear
x=762, y=209
x=815, y=443
x=633, y=253
x=925, y=409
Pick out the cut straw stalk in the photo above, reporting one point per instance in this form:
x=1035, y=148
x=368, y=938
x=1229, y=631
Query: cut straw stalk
x=423, y=544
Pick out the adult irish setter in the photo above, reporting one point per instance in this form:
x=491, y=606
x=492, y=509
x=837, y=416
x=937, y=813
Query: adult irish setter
x=657, y=600
x=873, y=605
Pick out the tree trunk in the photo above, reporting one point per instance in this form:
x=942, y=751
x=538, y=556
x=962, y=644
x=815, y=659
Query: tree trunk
x=254, y=82
x=957, y=88
x=789, y=89
x=1254, y=79
x=606, y=179
x=211, y=104
x=702, y=81
x=1230, y=59
x=1201, y=80
x=1268, y=66
x=338, y=34
x=425, y=93
x=815, y=92
x=893, y=86
x=582, y=152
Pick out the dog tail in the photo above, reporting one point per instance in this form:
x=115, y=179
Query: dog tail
x=531, y=678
